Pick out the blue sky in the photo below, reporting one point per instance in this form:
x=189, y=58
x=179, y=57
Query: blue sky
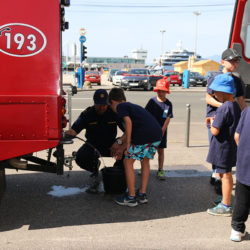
x=116, y=27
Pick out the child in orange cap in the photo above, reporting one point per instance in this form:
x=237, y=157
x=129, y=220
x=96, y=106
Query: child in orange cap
x=162, y=109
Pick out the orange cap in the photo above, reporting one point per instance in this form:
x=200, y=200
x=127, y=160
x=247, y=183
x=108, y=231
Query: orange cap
x=162, y=84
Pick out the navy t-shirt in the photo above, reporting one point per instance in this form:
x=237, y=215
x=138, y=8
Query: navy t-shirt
x=160, y=110
x=243, y=152
x=238, y=86
x=101, y=130
x=222, y=150
x=145, y=128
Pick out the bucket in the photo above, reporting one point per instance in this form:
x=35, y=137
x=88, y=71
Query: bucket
x=114, y=180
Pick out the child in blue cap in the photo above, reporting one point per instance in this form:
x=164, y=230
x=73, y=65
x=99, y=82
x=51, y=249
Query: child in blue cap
x=222, y=150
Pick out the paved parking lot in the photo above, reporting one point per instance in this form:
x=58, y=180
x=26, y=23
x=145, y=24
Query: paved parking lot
x=174, y=218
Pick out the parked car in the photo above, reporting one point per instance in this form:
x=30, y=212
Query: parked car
x=196, y=78
x=137, y=78
x=155, y=75
x=93, y=77
x=174, y=77
x=210, y=74
x=111, y=74
x=118, y=76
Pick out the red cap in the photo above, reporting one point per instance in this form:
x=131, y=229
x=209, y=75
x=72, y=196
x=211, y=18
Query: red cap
x=162, y=84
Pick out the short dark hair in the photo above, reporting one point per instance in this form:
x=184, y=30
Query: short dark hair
x=116, y=94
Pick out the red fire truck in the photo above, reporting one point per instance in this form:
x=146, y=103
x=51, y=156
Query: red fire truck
x=31, y=95
x=32, y=106
x=240, y=40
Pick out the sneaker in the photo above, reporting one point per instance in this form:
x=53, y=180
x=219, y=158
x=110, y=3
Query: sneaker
x=94, y=186
x=217, y=200
x=126, y=201
x=220, y=210
x=217, y=186
x=141, y=198
x=236, y=236
x=161, y=175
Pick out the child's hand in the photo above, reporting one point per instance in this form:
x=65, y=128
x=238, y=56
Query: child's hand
x=209, y=120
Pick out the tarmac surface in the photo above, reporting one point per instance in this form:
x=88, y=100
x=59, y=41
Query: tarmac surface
x=174, y=218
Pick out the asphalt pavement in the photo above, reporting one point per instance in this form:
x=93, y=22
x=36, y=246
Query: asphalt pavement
x=174, y=218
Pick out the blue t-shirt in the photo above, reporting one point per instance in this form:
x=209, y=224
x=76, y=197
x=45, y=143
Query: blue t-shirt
x=101, y=130
x=243, y=152
x=145, y=129
x=238, y=86
x=222, y=150
x=160, y=110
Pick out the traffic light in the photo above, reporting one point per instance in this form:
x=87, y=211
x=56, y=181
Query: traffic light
x=84, y=52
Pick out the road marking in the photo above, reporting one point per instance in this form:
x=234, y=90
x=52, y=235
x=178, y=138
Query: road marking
x=86, y=98
x=186, y=173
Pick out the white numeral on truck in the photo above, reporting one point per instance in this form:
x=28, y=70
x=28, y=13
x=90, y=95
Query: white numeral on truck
x=19, y=39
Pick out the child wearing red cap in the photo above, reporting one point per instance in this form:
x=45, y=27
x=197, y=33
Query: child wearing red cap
x=162, y=109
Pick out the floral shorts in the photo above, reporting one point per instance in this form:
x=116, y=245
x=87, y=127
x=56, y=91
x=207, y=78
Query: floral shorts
x=138, y=152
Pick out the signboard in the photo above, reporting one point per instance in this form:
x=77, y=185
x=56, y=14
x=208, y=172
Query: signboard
x=82, y=31
x=82, y=39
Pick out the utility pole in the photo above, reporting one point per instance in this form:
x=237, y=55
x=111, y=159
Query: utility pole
x=196, y=13
x=162, y=41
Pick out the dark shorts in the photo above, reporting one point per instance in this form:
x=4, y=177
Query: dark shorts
x=163, y=143
x=220, y=170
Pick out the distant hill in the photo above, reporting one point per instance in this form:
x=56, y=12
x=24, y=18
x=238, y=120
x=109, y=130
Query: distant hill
x=216, y=58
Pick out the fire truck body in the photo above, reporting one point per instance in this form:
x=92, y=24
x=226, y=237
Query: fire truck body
x=240, y=40
x=30, y=75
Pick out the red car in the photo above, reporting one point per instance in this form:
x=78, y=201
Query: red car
x=93, y=77
x=175, y=77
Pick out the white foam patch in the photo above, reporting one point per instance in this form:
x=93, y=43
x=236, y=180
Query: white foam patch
x=60, y=191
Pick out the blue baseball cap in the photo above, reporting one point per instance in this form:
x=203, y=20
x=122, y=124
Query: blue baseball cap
x=101, y=97
x=223, y=83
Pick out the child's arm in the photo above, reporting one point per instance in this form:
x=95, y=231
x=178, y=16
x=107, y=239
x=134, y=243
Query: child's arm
x=236, y=138
x=214, y=131
x=165, y=125
x=212, y=101
x=128, y=131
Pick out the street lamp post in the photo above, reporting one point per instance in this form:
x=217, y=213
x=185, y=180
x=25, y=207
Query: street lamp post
x=196, y=13
x=162, y=40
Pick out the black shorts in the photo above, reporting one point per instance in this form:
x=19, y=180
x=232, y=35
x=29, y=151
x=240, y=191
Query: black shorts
x=163, y=143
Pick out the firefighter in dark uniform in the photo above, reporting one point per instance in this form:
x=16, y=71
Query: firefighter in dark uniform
x=101, y=124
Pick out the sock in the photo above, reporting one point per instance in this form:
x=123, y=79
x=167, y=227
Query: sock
x=214, y=175
x=131, y=197
x=227, y=206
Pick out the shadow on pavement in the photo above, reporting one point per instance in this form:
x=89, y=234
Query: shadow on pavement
x=26, y=201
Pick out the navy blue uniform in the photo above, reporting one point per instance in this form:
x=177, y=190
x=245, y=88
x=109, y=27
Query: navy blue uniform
x=160, y=110
x=145, y=128
x=101, y=132
x=242, y=191
x=222, y=150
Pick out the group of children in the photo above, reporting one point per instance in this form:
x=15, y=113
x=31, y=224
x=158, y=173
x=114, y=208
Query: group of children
x=146, y=133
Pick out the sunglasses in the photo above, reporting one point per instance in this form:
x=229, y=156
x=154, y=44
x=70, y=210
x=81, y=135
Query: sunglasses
x=234, y=60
